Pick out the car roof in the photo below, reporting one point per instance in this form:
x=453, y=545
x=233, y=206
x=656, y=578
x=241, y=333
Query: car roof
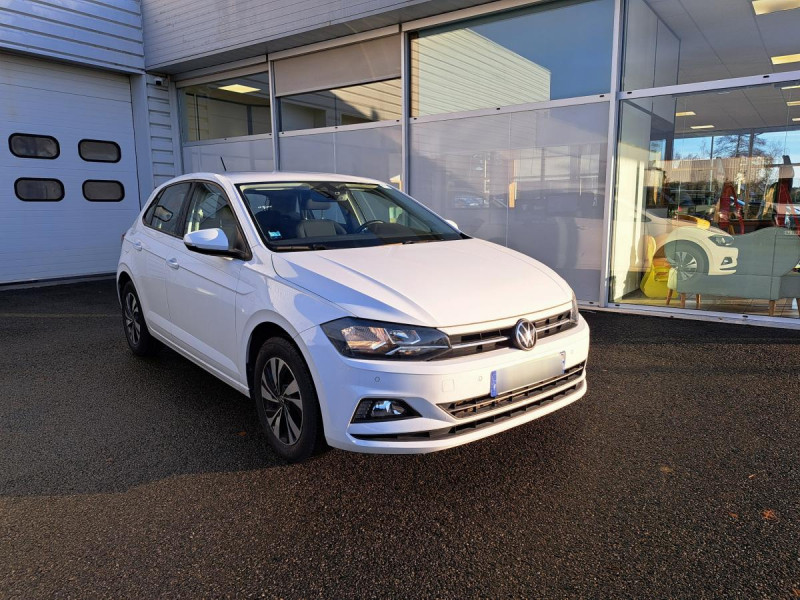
x=276, y=176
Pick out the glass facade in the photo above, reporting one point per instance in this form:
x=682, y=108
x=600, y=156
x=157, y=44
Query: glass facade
x=668, y=42
x=238, y=155
x=531, y=55
x=228, y=108
x=707, y=203
x=532, y=180
x=509, y=124
x=367, y=103
x=366, y=152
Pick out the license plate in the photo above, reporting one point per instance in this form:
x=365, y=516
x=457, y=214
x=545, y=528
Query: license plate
x=527, y=373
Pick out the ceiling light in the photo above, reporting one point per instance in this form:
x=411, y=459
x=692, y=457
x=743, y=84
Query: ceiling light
x=793, y=103
x=239, y=89
x=764, y=7
x=791, y=87
x=702, y=127
x=686, y=113
x=796, y=119
x=786, y=58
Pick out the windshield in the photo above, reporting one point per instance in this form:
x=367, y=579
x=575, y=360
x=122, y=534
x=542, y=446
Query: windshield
x=325, y=215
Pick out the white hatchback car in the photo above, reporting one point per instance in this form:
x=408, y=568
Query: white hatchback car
x=349, y=312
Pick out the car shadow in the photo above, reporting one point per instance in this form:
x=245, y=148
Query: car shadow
x=97, y=419
x=79, y=414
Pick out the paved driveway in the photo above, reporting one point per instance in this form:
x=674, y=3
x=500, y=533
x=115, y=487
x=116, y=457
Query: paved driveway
x=678, y=475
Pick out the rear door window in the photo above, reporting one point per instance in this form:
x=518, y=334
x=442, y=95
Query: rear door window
x=164, y=214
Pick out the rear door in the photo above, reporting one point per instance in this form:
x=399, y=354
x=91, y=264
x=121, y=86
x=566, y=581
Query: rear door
x=154, y=243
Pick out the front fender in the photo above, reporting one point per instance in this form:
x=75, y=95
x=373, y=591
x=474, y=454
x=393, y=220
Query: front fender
x=266, y=299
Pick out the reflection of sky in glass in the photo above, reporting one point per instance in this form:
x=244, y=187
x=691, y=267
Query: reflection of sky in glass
x=772, y=143
x=784, y=143
x=573, y=42
x=693, y=147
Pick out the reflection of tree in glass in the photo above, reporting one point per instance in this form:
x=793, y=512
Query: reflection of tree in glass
x=751, y=176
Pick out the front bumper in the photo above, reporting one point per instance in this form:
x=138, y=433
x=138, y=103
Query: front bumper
x=452, y=396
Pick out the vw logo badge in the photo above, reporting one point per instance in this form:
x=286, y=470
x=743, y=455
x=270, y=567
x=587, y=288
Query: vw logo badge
x=524, y=335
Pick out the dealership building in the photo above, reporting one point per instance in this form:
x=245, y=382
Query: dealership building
x=647, y=150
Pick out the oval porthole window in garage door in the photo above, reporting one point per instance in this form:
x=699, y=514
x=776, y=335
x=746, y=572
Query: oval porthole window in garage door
x=28, y=145
x=103, y=190
x=32, y=189
x=99, y=151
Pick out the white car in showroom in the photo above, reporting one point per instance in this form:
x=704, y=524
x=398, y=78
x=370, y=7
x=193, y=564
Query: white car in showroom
x=349, y=312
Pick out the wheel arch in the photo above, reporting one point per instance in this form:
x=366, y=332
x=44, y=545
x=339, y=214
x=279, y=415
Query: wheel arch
x=123, y=277
x=260, y=331
x=674, y=246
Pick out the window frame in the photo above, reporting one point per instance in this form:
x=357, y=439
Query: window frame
x=119, y=151
x=49, y=137
x=60, y=183
x=121, y=185
x=245, y=254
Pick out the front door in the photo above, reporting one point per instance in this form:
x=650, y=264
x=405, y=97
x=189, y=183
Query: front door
x=202, y=289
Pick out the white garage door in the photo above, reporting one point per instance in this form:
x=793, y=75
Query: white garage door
x=68, y=187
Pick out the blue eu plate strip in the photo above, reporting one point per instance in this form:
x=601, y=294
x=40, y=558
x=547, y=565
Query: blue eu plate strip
x=493, y=385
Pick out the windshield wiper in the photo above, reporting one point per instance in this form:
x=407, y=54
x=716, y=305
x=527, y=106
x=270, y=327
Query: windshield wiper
x=419, y=241
x=300, y=247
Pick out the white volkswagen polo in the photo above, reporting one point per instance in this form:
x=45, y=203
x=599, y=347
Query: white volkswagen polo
x=350, y=313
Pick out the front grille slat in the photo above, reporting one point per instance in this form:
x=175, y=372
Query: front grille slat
x=475, y=406
x=470, y=426
x=496, y=339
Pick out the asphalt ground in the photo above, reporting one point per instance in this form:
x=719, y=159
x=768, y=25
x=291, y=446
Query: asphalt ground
x=677, y=476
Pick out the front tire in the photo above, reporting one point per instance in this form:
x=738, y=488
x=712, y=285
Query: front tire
x=139, y=339
x=689, y=261
x=286, y=400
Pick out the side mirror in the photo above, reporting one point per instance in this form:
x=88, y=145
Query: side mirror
x=452, y=224
x=208, y=241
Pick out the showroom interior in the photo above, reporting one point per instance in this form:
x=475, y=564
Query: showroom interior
x=647, y=150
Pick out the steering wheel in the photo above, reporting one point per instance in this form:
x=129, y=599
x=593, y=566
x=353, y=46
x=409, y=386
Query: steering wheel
x=364, y=226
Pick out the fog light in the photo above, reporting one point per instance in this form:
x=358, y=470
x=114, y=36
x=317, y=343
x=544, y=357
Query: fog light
x=726, y=261
x=382, y=409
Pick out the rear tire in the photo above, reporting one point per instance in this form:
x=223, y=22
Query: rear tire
x=286, y=400
x=138, y=336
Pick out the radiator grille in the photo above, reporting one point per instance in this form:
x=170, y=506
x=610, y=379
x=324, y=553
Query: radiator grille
x=494, y=339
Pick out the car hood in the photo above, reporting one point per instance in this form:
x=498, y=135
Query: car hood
x=439, y=284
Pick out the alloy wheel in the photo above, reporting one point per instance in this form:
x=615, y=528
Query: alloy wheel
x=283, y=403
x=686, y=265
x=133, y=325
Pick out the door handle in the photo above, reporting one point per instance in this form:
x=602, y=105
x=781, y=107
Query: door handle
x=173, y=263
x=137, y=245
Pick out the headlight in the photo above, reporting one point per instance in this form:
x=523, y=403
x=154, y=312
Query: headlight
x=722, y=240
x=574, y=314
x=360, y=338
